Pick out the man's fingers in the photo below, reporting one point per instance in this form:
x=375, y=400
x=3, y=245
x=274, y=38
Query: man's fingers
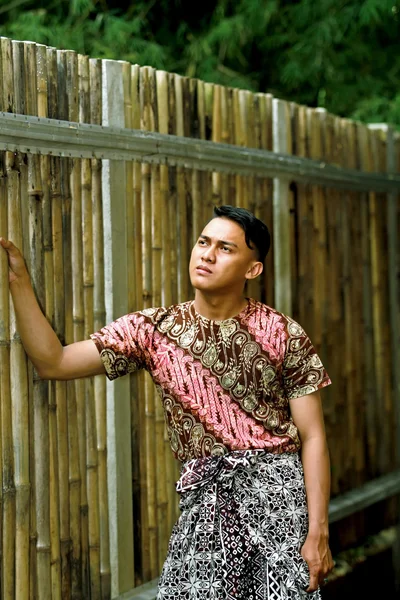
x=8, y=245
x=314, y=580
x=313, y=584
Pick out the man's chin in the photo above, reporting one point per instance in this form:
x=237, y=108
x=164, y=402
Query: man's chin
x=200, y=284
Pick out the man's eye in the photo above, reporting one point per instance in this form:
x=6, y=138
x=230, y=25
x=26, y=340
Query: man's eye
x=201, y=242
x=226, y=248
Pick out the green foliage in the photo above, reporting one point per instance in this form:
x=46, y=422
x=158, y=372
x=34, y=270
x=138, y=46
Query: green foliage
x=340, y=54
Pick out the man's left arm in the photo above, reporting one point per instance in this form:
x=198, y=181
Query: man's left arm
x=308, y=417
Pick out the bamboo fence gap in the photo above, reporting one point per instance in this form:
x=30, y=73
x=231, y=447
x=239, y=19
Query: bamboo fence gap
x=327, y=268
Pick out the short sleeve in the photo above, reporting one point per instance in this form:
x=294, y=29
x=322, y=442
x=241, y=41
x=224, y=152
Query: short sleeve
x=303, y=371
x=122, y=344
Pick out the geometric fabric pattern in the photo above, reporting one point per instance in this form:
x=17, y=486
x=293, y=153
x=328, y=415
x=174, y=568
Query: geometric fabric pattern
x=242, y=525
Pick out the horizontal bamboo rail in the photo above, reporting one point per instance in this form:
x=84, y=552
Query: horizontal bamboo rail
x=79, y=140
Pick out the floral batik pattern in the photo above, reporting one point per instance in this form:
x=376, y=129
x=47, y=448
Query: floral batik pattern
x=242, y=525
x=224, y=385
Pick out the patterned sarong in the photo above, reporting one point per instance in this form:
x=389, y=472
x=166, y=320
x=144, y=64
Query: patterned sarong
x=239, y=535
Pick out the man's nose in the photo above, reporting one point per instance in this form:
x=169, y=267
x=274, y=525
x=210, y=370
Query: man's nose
x=209, y=254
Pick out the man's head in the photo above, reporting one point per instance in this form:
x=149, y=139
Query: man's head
x=256, y=233
x=230, y=250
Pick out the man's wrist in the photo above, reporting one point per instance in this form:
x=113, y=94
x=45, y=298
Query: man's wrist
x=21, y=284
x=318, y=530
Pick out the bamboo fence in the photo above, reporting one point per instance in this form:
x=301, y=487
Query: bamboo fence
x=54, y=515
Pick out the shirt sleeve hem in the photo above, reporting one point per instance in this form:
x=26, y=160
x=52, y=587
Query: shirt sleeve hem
x=310, y=389
x=110, y=372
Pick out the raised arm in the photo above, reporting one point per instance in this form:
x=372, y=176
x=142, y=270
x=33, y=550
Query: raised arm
x=308, y=417
x=50, y=358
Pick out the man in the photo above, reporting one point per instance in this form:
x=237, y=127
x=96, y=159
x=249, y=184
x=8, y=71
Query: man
x=239, y=382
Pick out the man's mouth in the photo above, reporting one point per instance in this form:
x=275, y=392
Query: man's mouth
x=203, y=269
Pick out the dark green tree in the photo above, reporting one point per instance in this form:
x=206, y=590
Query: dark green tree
x=340, y=54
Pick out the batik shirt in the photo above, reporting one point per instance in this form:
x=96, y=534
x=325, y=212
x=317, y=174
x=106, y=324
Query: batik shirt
x=224, y=385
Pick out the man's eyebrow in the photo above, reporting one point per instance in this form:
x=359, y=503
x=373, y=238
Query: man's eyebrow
x=205, y=237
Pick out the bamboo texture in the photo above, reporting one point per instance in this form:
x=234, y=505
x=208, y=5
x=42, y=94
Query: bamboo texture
x=55, y=521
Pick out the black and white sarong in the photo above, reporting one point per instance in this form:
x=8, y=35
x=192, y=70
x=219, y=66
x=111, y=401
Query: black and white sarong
x=243, y=523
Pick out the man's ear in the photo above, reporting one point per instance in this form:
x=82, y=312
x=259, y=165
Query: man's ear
x=255, y=270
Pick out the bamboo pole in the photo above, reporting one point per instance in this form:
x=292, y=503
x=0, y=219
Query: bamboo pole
x=76, y=402
x=7, y=80
x=148, y=122
x=40, y=388
x=182, y=220
x=60, y=465
x=8, y=491
x=368, y=363
x=197, y=176
x=15, y=402
x=46, y=72
x=166, y=300
x=19, y=76
x=91, y=467
x=161, y=491
x=134, y=275
x=4, y=338
x=264, y=210
x=377, y=311
x=99, y=315
x=71, y=572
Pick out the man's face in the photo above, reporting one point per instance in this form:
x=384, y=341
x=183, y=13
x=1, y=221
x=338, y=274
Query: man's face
x=221, y=261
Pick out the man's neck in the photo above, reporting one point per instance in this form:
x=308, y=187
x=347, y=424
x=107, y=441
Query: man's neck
x=218, y=308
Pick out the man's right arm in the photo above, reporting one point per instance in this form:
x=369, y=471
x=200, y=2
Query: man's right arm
x=50, y=358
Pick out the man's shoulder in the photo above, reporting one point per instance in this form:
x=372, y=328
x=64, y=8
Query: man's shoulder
x=265, y=317
x=265, y=310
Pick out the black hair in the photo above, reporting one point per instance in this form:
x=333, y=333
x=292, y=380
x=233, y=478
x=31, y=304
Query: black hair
x=255, y=231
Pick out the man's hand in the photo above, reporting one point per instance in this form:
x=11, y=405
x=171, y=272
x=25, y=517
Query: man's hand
x=16, y=262
x=317, y=554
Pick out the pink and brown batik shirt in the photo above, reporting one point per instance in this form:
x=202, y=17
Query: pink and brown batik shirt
x=224, y=385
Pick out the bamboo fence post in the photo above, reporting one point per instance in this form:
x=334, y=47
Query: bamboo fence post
x=29, y=66
x=281, y=222
x=378, y=311
x=264, y=210
x=246, y=108
x=14, y=529
x=161, y=492
x=208, y=202
x=217, y=137
x=182, y=216
x=59, y=190
x=46, y=77
x=148, y=123
x=137, y=382
x=368, y=372
x=197, y=176
x=135, y=277
x=173, y=197
x=40, y=388
x=5, y=390
x=8, y=491
x=7, y=80
x=166, y=512
x=394, y=251
x=99, y=315
x=19, y=76
x=118, y=402
x=20, y=411
x=76, y=392
x=91, y=467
